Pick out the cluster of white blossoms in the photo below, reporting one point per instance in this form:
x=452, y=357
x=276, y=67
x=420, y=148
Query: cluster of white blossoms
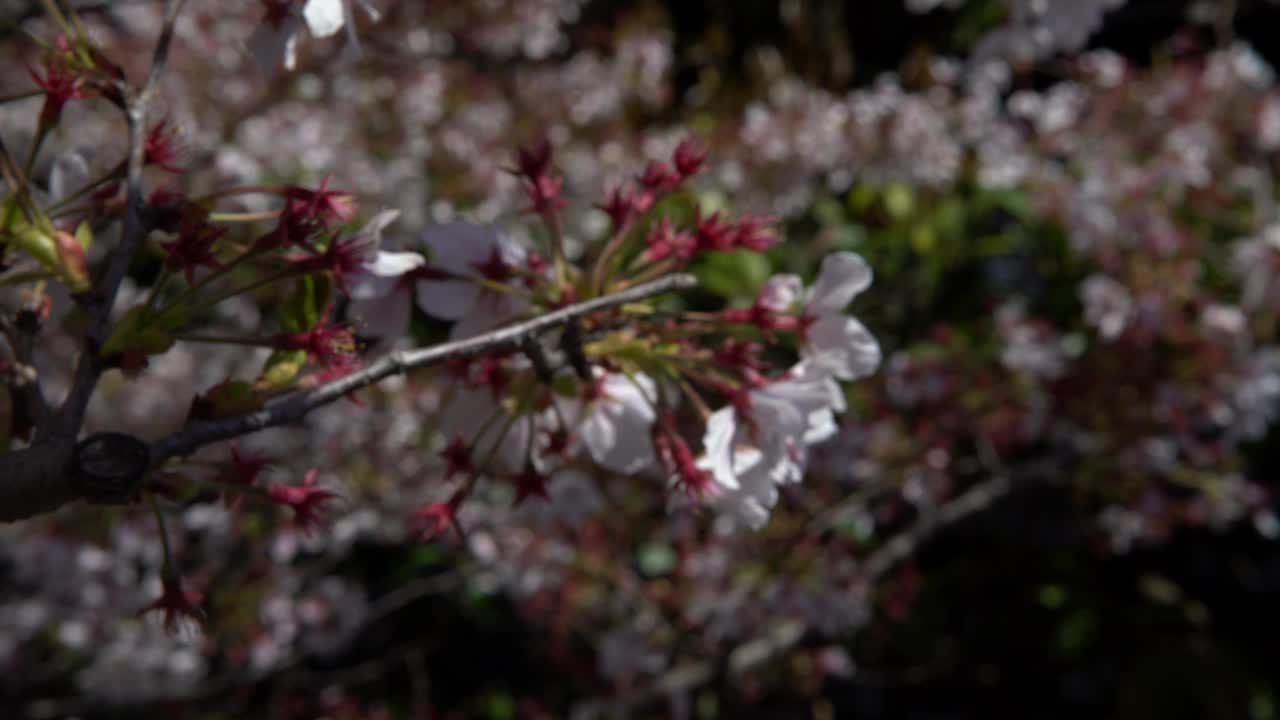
x=760, y=441
x=611, y=393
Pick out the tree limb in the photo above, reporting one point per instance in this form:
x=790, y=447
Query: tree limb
x=102, y=297
x=294, y=408
x=41, y=478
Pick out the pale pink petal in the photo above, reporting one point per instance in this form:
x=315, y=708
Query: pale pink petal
x=745, y=509
x=368, y=286
x=457, y=247
x=447, y=299
x=617, y=429
x=750, y=503
x=488, y=311
x=822, y=427
x=383, y=316
x=394, y=264
x=718, y=448
x=842, y=276
x=781, y=293
x=512, y=251
x=379, y=222
x=843, y=346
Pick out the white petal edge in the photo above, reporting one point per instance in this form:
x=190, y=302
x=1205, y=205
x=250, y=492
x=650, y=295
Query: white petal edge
x=843, y=346
x=843, y=275
x=324, y=17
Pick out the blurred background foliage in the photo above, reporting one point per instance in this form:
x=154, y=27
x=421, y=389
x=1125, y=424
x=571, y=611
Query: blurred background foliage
x=1027, y=608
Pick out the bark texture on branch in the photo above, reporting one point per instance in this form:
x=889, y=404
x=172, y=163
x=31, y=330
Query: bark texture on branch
x=45, y=477
x=37, y=480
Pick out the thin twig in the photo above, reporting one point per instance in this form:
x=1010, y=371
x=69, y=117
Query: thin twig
x=293, y=409
x=39, y=478
x=904, y=544
x=103, y=296
x=22, y=343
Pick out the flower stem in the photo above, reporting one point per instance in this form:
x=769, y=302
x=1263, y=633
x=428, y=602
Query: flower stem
x=552, y=220
x=244, y=217
x=224, y=340
x=164, y=536
x=115, y=174
x=155, y=289
x=652, y=272
x=248, y=190
x=41, y=133
x=601, y=268
x=701, y=405
x=259, y=283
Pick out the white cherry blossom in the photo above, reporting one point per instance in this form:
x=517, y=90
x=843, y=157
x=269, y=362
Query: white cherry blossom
x=380, y=290
x=615, y=425
x=833, y=340
x=470, y=252
x=763, y=442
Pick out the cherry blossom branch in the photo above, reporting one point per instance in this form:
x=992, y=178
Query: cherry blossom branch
x=102, y=298
x=41, y=478
x=511, y=337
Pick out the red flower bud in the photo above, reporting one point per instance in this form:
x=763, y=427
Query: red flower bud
x=309, y=503
x=688, y=158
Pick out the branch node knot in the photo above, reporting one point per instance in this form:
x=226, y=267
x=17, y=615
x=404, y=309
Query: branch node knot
x=109, y=467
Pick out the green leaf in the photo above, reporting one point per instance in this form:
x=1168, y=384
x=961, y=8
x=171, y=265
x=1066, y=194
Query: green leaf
x=84, y=235
x=736, y=275
x=565, y=385
x=306, y=304
x=281, y=369
x=41, y=246
x=230, y=398
x=136, y=331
